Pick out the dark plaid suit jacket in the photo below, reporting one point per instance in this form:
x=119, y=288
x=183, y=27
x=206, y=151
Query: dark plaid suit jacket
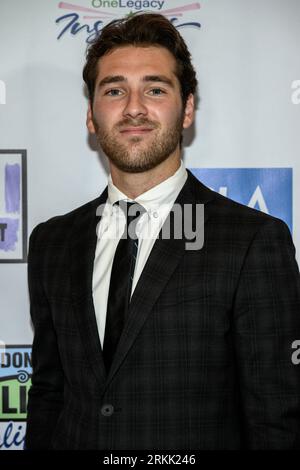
x=204, y=361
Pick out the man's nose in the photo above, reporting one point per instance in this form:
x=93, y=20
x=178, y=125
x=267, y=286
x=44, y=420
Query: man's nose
x=135, y=105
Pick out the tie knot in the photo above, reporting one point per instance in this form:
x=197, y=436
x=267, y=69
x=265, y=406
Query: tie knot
x=132, y=212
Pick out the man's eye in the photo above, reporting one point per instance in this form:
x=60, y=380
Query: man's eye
x=113, y=92
x=156, y=91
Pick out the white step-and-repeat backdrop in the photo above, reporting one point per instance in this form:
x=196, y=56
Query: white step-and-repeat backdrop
x=245, y=143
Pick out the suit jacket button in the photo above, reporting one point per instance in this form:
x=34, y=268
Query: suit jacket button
x=107, y=410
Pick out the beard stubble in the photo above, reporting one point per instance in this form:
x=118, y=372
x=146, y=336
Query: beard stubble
x=136, y=156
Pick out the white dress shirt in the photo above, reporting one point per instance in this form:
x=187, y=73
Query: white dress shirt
x=157, y=202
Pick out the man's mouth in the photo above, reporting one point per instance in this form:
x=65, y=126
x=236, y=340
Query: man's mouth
x=136, y=130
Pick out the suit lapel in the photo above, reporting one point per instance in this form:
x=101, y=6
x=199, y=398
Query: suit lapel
x=82, y=247
x=162, y=262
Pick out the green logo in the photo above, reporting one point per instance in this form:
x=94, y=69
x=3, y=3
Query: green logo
x=15, y=381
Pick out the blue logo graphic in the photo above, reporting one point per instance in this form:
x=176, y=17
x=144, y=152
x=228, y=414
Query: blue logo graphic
x=13, y=206
x=267, y=189
x=15, y=363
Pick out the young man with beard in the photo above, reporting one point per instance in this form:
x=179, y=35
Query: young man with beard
x=141, y=342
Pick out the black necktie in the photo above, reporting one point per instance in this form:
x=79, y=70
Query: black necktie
x=121, y=281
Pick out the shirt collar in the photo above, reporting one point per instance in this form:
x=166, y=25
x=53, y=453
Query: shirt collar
x=160, y=195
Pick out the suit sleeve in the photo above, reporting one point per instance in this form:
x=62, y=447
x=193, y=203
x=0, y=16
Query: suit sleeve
x=45, y=398
x=266, y=323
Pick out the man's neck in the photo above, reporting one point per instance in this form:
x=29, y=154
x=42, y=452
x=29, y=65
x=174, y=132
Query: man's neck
x=135, y=184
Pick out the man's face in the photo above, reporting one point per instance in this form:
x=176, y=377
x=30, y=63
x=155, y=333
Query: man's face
x=137, y=112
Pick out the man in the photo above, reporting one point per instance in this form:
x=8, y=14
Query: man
x=144, y=342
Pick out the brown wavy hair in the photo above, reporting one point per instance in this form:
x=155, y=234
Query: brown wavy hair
x=142, y=29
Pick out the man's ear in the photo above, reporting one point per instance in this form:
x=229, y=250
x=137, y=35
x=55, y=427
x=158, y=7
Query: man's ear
x=89, y=120
x=189, y=112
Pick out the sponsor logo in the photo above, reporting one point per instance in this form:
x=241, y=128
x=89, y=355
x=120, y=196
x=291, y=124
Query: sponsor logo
x=267, y=189
x=129, y=4
x=13, y=206
x=12, y=436
x=15, y=373
x=15, y=380
x=89, y=20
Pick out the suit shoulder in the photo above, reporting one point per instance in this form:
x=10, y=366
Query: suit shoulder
x=231, y=213
x=230, y=206
x=226, y=211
